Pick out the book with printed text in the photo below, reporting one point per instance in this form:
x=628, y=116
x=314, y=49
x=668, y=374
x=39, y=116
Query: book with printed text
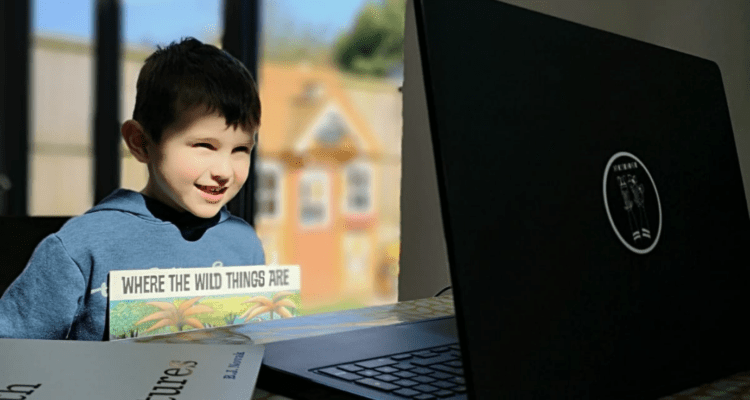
x=162, y=301
x=55, y=369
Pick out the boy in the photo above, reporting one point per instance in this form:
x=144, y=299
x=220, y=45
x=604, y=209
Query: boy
x=196, y=115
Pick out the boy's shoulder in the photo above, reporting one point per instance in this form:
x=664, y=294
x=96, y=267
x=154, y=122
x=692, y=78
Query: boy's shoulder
x=123, y=216
x=233, y=220
x=237, y=229
x=121, y=205
x=122, y=228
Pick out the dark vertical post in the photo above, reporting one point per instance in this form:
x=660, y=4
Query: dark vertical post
x=107, y=99
x=241, y=39
x=14, y=110
x=4, y=178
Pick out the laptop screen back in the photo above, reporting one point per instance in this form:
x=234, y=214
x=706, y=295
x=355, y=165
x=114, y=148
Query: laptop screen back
x=593, y=203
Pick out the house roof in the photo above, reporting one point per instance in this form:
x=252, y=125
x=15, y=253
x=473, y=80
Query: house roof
x=294, y=98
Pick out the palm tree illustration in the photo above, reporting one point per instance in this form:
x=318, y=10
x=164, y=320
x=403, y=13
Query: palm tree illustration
x=279, y=304
x=171, y=315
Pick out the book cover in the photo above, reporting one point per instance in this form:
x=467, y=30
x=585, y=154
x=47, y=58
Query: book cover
x=162, y=301
x=55, y=369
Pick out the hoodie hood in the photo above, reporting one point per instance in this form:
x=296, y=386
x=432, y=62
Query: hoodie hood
x=150, y=209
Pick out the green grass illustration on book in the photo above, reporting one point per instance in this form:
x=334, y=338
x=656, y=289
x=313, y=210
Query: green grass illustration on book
x=136, y=318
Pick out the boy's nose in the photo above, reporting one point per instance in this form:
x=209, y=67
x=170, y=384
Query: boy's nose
x=220, y=179
x=221, y=171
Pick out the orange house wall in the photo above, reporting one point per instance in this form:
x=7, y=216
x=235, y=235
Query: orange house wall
x=317, y=250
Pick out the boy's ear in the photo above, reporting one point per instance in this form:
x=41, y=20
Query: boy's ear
x=136, y=139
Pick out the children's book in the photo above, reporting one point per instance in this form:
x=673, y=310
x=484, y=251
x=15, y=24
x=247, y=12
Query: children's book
x=55, y=369
x=163, y=301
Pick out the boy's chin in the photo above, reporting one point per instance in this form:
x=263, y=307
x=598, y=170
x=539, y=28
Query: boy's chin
x=205, y=210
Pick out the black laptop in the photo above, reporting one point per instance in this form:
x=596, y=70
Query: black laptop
x=595, y=220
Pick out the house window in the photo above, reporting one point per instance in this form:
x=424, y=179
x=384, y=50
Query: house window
x=331, y=129
x=312, y=91
x=314, y=193
x=268, y=193
x=358, y=188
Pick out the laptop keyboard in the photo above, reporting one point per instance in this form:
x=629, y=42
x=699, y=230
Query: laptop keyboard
x=432, y=373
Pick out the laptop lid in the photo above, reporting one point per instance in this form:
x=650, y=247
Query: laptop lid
x=593, y=205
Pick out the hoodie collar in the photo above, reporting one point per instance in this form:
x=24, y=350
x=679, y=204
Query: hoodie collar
x=148, y=208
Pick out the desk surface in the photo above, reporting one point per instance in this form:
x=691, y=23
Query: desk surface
x=733, y=387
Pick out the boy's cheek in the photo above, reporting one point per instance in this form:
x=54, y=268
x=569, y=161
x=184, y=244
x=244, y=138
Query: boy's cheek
x=190, y=172
x=242, y=171
x=242, y=179
x=191, y=164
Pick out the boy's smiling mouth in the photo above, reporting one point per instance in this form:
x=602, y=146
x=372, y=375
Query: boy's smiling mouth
x=212, y=190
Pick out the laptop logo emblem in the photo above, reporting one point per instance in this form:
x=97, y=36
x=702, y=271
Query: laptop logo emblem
x=632, y=202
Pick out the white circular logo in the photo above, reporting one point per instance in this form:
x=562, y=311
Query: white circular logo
x=632, y=202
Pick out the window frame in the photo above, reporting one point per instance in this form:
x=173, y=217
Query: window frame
x=350, y=191
x=313, y=175
x=275, y=195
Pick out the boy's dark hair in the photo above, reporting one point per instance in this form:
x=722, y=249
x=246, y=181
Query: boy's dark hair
x=183, y=75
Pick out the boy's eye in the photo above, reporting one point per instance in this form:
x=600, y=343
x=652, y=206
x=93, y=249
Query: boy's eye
x=206, y=145
x=242, y=149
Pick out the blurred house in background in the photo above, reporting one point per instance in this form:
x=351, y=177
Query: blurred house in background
x=320, y=185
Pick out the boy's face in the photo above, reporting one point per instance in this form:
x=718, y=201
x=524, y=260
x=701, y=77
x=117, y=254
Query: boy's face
x=199, y=164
